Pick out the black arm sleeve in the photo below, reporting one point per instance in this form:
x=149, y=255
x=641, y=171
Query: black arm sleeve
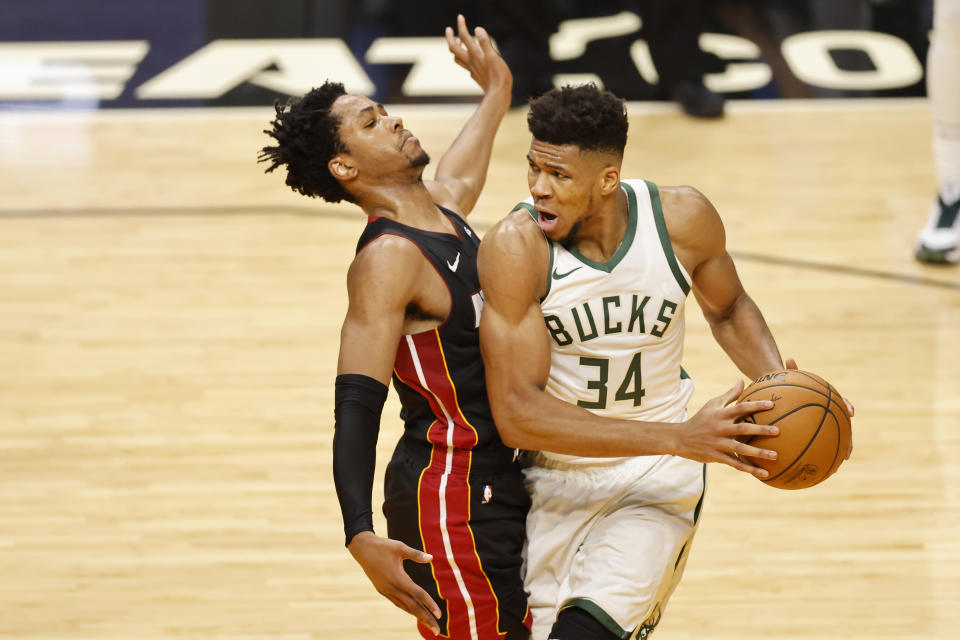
x=358, y=404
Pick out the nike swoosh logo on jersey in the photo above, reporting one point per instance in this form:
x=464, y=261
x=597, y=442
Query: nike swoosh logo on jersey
x=456, y=263
x=468, y=232
x=561, y=276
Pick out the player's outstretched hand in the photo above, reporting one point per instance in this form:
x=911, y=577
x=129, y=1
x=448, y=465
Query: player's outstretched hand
x=476, y=54
x=382, y=561
x=792, y=364
x=710, y=435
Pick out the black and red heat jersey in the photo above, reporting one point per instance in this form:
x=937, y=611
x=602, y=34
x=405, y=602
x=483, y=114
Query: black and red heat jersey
x=452, y=488
x=439, y=374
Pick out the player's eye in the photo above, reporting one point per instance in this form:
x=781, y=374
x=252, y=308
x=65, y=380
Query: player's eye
x=369, y=124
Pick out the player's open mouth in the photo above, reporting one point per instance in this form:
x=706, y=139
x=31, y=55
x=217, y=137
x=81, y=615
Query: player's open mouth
x=547, y=221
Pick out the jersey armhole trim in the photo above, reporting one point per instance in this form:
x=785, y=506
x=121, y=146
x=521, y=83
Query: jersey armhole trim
x=665, y=237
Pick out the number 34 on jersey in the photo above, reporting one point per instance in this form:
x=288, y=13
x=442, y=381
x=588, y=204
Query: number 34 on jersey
x=621, y=328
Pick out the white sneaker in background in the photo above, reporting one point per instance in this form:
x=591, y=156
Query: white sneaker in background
x=939, y=241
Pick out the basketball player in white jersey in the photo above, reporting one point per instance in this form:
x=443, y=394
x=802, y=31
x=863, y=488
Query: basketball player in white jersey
x=939, y=241
x=585, y=285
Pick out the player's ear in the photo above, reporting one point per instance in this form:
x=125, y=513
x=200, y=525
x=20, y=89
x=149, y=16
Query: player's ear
x=341, y=168
x=609, y=180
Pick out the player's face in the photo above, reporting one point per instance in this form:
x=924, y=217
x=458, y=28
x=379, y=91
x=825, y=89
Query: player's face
x=564, y=182
x=376, y=142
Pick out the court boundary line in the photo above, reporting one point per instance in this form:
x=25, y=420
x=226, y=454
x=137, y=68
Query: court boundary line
x=848, y=270
x=35, y=114
x=327, y=211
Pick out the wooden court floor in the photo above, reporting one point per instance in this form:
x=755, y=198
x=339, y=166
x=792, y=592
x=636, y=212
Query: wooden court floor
x=169, y=319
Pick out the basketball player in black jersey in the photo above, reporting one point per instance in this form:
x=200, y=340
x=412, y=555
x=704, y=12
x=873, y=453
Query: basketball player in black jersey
x=454, y=497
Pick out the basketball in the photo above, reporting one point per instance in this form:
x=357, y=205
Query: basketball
x=814, y=428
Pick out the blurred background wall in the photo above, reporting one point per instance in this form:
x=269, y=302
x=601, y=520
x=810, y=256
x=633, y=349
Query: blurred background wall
x=129, y=53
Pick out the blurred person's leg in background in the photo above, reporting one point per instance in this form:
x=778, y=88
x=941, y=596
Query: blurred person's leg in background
x=672, y=29
x=522, y=32
x=938, y=241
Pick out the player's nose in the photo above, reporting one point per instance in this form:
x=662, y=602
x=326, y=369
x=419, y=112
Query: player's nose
x=540, y=187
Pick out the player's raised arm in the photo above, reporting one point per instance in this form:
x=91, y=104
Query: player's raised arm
x=699, y=240
x=462, y=170
x=513, y=265
x=381, y=283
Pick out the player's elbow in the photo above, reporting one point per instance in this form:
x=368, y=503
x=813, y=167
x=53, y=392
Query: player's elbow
x=720, y=316
x=512, y=436
x=512, y=413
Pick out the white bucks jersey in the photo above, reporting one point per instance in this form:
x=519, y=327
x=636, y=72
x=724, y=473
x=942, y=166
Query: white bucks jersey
x=616, y=328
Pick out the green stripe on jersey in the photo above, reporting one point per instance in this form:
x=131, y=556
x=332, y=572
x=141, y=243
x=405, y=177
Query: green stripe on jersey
x=599, y=614
x=528, y=208
x=625, y=243
x=665, y=237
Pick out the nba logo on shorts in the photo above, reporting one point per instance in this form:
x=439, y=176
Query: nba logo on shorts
x=487, y=494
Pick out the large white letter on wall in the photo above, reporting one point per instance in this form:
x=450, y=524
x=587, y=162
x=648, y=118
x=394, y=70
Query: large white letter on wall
x=434, y=72
x=68, y=70
x=808, y=55
x=224, y=64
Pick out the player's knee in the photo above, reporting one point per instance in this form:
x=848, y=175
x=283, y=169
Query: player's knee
x=574, y=623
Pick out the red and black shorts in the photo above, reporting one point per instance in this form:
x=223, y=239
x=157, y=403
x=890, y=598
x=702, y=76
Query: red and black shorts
x=468, y=510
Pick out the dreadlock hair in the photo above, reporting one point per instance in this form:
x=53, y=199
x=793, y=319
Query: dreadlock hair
x=585, y=116
x=307, y=138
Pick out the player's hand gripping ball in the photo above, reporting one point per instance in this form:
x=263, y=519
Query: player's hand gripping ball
x=814, y=428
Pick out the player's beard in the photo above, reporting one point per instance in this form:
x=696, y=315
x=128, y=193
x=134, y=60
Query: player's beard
x=567, y=240
x=575, y=229
x=421, y=160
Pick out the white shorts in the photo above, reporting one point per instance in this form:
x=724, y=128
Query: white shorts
x=610, y=538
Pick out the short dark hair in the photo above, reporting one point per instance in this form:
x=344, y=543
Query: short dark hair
x=585, y=116
x=307, y=136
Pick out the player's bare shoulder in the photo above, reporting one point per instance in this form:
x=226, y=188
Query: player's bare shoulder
x=514, y=251
x=386, y=272
x=516, y=230
x=695, y=228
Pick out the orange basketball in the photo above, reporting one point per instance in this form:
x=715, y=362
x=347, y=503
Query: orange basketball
x=814, y=428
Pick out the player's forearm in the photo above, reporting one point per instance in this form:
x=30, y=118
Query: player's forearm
x=536, y=420
x=358, y=404
x=467, y=159
x=745, y=337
